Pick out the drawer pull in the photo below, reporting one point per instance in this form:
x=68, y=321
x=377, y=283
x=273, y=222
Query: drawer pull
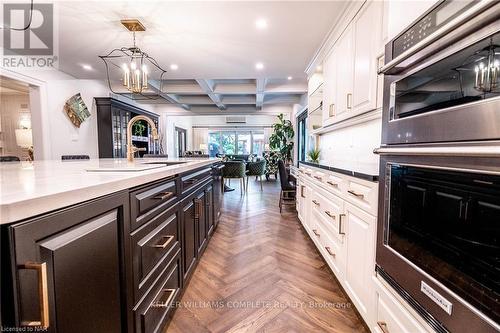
x=327, y=248
x=329, y=214
x=190, y=181
x=302, y=191
x=168, y=240
x=315, y=202
x=316, y=232
x=301, y=171
x=329, y=182
x=164, y=196
x=308, y=173
x=383, y=326
x=164, y=304
x=318, y=178
x=358, y=195
x=341, y=232
x=43, y=294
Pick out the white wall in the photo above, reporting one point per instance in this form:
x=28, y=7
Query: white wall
x=400, y=13
x=167, y=127
x=352, y=144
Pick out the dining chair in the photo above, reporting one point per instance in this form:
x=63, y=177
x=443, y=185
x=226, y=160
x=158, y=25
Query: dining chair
x=235, y=170
x=257, y=169
x=288, y=190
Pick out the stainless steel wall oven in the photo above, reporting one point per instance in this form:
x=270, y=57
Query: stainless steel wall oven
x=438, y=236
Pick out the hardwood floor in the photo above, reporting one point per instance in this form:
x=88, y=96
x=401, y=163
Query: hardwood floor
x=261, y=273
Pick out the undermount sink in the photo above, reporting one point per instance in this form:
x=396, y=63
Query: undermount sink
x=166, y=163
x=133, y=167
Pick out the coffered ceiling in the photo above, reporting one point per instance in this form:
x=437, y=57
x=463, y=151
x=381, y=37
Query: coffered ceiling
x=215, y=45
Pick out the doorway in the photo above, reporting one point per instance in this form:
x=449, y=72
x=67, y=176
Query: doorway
x=16, y=136
x=180, y=141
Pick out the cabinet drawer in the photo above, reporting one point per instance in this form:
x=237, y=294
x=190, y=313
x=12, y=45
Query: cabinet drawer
x=154, y=311
x=334, y=184
x=327, y=209
x=190, y=181
x=149, y=201
x=154, y=245
x=392, y=317
x=333, y=251
x=362, y=194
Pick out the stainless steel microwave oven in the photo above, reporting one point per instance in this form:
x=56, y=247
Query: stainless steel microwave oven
x=442, y=76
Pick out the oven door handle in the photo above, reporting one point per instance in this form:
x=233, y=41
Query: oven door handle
x=469, y=151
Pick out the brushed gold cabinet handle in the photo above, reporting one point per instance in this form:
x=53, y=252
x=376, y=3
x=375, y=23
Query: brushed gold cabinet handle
x=358, y=195
x=349, y=101
x=164, y=195
x=316, y=232
x=43, y=294
x=331, y=110
x=327, y=248
x=302, y=191
x=301, y=171
x=159, y=304
x=168, y=240
x=329, y=182
x=318, y=178
x=315, y=202
x=383, y=326
x=341, y=232
x=329, y=214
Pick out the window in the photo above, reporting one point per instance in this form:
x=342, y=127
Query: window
x=302, y=135
x=236, y=142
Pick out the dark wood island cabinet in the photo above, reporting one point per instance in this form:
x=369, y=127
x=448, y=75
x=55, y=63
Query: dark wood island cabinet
x=113, y=264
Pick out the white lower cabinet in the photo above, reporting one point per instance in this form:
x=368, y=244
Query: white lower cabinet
x=360, y=230
x=339, y=214
x=392, y=316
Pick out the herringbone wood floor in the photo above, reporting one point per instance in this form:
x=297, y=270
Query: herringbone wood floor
x=263, y=274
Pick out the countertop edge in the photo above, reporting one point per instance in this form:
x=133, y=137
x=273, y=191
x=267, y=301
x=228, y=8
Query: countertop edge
x=17, y=211
x=352, y=173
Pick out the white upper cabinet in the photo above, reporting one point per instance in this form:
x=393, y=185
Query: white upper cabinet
x=350, y=68
x=367, y=47
x=345, y=68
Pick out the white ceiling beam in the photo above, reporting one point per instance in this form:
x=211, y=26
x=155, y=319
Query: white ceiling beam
x=155, y=85
x=259, y=97
x=207, y=87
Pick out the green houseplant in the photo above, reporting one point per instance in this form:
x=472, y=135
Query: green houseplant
x=313, y=155
x=282, y=137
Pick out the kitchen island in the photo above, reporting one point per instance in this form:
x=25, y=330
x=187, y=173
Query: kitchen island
x=102, y=245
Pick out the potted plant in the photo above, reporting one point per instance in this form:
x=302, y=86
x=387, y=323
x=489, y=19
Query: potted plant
x=313, y=155
x=282, y=138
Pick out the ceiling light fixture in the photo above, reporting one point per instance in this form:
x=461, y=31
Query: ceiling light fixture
x=174, y=67
x=289, y=78
x=87, y=67
x=259, y=66
x=261, y=24
x=134, y=69
x=319, y=68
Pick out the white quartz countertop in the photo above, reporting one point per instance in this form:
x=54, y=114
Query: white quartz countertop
x=31, y=188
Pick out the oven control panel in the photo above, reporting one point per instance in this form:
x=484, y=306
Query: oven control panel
x=432, y=20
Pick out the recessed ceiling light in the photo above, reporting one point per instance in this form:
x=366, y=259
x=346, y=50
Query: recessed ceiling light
x=87, y=67
x=259, y=66
x=261, y=24
x=319, y=67
x=174, y=67
x=289, y=78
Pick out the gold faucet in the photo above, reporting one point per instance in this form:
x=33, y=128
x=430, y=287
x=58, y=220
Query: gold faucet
x=131, y=149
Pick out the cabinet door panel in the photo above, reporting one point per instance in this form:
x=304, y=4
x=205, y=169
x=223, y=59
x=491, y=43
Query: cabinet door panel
x=345, y=68
x=189, y=246
x=367, y=43
x=330, y=87
x=84, y=267
x=79, y=250
x=360, y=233
x=210, y=210
x=201, y=221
